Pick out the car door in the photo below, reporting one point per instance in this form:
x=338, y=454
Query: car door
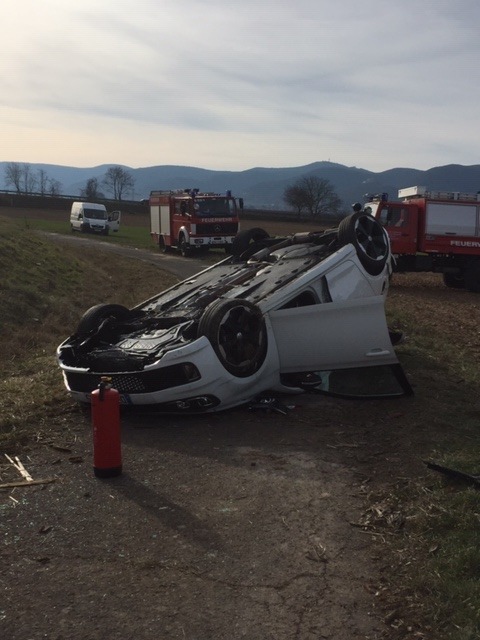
x=400, y=221
x=333, y=335
x=114, y=220
x=339, y=348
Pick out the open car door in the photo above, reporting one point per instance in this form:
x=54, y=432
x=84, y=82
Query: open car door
x=114, y=220
x=343, y=349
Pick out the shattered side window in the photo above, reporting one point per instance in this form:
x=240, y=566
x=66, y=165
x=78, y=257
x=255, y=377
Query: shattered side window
x=383, y=381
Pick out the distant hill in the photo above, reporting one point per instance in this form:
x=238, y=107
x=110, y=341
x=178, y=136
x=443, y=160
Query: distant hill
x=263, y=188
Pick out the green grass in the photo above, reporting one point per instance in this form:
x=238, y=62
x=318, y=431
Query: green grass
x=438, y=551
x=127, y=235
x=44, y=291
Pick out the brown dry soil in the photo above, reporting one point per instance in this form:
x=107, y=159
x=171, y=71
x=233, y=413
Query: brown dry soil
x=243, y=524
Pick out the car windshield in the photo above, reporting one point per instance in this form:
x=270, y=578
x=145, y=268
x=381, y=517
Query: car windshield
x=95, y=214
x=214, y=207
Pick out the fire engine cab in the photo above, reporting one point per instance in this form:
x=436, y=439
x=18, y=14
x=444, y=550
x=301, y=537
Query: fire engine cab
x=435, y=231
x=189, y=220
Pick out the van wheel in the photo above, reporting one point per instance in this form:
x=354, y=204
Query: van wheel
x=369, y=239
x=93, y=317
x=236, y=330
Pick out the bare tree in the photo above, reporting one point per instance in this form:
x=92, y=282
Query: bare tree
x=314, y=195
x=54, y=187
x=42, y=181
x=91, y=190
x=29, y=180
x=117, y=180
x=294, y=196
x=13, y=176
x=22, y=178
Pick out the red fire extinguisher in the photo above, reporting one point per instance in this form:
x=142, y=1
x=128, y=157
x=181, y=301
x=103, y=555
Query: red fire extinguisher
x=107, y=448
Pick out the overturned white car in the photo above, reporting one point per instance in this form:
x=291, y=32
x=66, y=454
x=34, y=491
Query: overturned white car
x=303, y=312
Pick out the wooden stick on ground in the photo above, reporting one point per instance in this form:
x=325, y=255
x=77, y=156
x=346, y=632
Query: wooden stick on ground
x=19, y=466
x=26, y=483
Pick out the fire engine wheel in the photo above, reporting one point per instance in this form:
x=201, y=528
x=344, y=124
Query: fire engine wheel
x=454, y=280
x=236, y=330
x=93, y=317
x=369, y=239
x=472, y=278
x=248, y=242
x=164, y=248
x=184, y=247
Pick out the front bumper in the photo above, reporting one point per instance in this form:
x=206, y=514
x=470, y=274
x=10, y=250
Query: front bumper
x=187, y=379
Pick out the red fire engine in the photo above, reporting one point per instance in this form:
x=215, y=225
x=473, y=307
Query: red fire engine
x=434, y=231
x=189, y=220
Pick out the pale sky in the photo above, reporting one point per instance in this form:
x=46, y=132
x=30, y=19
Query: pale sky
x=223, y=84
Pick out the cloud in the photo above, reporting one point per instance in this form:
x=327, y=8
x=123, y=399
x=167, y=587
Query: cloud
x=371, y=84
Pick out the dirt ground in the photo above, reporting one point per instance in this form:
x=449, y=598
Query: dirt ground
x=243, y=524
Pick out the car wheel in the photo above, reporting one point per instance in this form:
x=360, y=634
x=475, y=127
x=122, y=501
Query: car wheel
x=183, y=247
x=93, y=317
x=454, y=280
x=236, y=330
x=248, y=241
x=369, y=239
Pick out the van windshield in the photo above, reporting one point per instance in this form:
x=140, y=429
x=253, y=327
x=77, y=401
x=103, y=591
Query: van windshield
x=95, y=214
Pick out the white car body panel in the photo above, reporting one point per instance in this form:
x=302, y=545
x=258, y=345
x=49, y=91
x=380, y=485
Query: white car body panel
x=336, y=339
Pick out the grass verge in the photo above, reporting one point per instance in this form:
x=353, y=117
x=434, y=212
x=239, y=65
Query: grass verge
x=437, y=548
x=44, y=291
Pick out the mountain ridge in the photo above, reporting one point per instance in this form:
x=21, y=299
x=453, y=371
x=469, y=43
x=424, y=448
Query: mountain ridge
x=263, y=187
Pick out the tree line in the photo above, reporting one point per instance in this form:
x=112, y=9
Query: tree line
x=310, y=195
x=24, y=180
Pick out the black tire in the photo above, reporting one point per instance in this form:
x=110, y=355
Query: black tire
x=162, y=246
x=369, y=239
x=93, y=317
x=454, y=280
x=248, y=241
x=472, y=278
x=183, y=247
x=236, y=330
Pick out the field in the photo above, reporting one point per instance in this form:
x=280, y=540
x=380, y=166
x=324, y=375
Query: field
x=346, y=479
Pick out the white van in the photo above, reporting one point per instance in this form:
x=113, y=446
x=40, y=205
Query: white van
x=91, y=217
